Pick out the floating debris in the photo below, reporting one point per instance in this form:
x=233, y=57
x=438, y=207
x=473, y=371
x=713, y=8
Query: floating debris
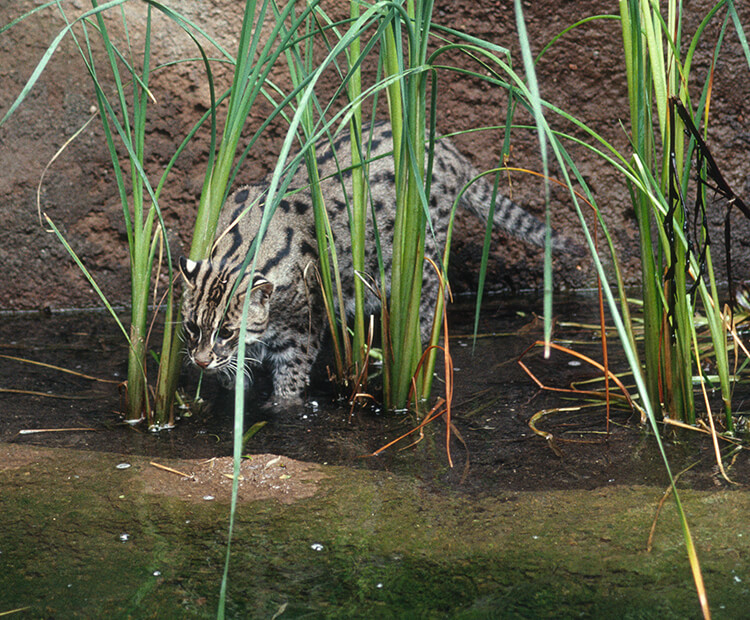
x=30, y=431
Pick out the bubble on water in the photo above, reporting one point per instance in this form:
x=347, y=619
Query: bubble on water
x=208, y=497
x=122, y=466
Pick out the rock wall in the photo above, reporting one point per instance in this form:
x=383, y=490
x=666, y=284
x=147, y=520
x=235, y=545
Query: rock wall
x=582, y=74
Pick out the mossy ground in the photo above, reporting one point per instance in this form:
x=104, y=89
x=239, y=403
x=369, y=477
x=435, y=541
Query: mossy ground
x=365, y=544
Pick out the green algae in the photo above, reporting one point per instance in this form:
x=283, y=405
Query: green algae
x=367, y=544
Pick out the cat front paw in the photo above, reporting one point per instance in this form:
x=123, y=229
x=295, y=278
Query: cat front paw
x=284, y=398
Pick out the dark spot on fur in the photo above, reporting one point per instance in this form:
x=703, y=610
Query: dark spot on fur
x=281, y=345
x=276, y=259
x=241, y=196
x=236, y=241
x=323, y=159
x=381, y=177
x=307, y=250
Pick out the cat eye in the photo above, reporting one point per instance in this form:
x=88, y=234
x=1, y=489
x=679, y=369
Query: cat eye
x=224, y=333
x=192, y=329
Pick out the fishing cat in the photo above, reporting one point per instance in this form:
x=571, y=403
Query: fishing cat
x=286, y=312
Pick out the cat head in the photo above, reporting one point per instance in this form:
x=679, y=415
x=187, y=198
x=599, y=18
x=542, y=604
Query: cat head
x=212, y=311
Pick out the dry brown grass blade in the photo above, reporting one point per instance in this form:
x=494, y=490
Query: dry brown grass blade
x=13, y=611
x=33, y=431
x=447, y=359
x=731, y=327
x=359, y=389
x=709, y=415
x=434, y=413
x=171, y=470
x=45, y=395
x=549, y=437
x=706, y=431
x=625, y=394
x=714, y=435
x=94, y=114
x=443, y=406
x=23, y=360
x=660, y=505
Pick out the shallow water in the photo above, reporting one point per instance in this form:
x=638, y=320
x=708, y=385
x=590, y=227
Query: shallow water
x=81, y=539
x=513, y=530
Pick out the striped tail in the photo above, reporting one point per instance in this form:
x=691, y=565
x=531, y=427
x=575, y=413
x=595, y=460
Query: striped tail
x=511, y=216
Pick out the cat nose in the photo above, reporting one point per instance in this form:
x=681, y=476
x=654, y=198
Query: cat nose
x=202, y=363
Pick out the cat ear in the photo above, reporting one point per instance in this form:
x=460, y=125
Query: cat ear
x=261, y=291
x=189, y=269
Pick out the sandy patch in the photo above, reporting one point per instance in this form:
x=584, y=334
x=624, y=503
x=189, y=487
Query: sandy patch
x=263, y=476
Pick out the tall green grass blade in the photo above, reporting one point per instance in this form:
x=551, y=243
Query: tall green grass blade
x=538, y=118
x=739, y=29
x=358, y=220
x=19, y=19
x=42, y=64
x=139, y=223
x=87, y=275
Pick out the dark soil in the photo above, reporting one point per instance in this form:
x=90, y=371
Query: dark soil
x=493, y=447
